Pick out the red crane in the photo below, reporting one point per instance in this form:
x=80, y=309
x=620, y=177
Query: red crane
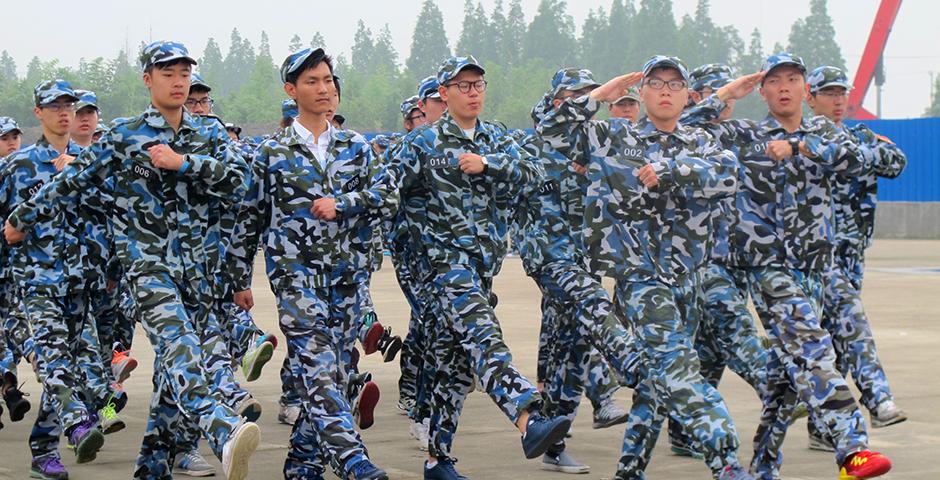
x=870, y=67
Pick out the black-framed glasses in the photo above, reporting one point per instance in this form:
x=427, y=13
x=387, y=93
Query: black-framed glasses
x=464, y=86
x=833, y=93
x=412, y=118
x=205, y=102
x=658, y=84
x=60, y=107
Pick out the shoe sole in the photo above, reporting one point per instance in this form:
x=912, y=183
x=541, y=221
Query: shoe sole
x=610, y=423
x=114, y=428
x=368, y=399
x=572, y=470
x=820, y=447
x=124, y=372
x=193, y=473
x=876, y=423
x=371, y=343
x=245, y=446
x=17, y=414
x=252, y=413
x=403, y=410
x=686, y=452
x=553, y=437
x=42, y=476
x=282, y=419
x=392, y=350
x=262, y=357
x=845, y=476
x=87, y=449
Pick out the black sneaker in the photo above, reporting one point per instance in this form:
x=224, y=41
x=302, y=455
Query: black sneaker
x=542, y=433
x=13, y=396
x=389, y=345
x=443, y=470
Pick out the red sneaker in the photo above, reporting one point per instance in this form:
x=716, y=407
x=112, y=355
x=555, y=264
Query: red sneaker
x=122, y=364
x=371, y=345
x=864, y=464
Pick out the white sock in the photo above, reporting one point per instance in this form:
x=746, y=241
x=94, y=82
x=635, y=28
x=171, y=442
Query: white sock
x=431, y=464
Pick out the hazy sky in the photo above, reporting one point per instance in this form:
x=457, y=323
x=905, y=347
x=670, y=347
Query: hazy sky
x=100, y=28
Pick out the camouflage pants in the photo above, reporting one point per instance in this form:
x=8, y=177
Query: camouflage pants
x=726, y=336
x=126, y=318
x=239, y=327
x=320, y=326
x=411, y=359
x=664, y=319
x=103, y=306
x=468, y=339
x=845, y=320
x=16, y=339
x=170, y=313
x=788, y=303
x=592, y=377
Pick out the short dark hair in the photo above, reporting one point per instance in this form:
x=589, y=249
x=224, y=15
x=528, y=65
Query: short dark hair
x=199, y=89
x=339, y=94
x=311, y=62
x=164, y=65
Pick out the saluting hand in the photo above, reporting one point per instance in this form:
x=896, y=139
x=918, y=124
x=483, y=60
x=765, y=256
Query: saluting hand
x=162, y=156
x=740, y=87
x=615, y=87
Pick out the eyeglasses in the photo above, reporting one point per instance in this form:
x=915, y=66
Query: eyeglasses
x=464, y=86
x=205, y=102
x=833, y=93
x=60, y=107
x=415, y=117
x=658, y=84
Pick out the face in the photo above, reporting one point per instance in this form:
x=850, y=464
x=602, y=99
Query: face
x=314, y=91
x=58, y=116
x=169, y=87
x=783, y=90
x=461, y=104
x=831, y=102
x=563, y=95
x=415, y=119
x=433, y=109
x=199, y=103
x=627, y=108
x=10, y=142
x=232, y=135
x=664, y=104
x=86, y=121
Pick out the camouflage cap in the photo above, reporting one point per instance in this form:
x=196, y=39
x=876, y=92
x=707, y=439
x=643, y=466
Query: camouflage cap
x=711, y=75
x=454, y=65
x=86, y=98
x=196, y=81
x=296, y=59
x=339, y=119
x=289, y=109
x=163, y=51
x=573, y=79
x=382, y=141
x=781, y=59
x=408, y=105
x=7, y=125
x=428, y=88
x=48, y=91
x=632, y=93
x=542, y=108
x=101, y=128
x=234, y=128
x=663, y=61
x=827, y=76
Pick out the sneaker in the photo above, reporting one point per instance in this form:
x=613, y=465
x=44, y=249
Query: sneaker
x=609, y=414
x=680, y=449
x=734, y=472
x=563, y=463
x=405, y=406
x=373, y=336
x=365, y=470
x=288, y=414
x=799, y=412
x=542, y=433
x=443, y=470
x=389, y=345
x=819, y=442
x=256, y=358
x=864, y=464
x=887, y=413
x=118, y=397
x=193, y=464
x=249, y=409
x=420, y=432
x=364, y=404
x=13, y=397
x=238, y=449
x=110, y=421
x=86, y=439
x=48, y=468
x=122, y=364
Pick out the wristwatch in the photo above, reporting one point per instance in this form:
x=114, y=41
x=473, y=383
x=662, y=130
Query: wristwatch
x=795, y=145
x=486, y=165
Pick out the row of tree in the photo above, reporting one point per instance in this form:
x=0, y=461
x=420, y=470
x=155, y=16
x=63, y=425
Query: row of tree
x=520, y=58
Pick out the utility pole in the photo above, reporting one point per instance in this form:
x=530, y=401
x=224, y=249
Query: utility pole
x=879, y=82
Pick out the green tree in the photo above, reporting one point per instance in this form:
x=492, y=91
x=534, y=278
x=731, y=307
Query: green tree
x=593, y=42
x=654, y=30
x=513, y=34
x=550, y=37
x=363, y=49
x=295, y=44
x=237, y=65
x=814, y=38
x=317, y=41
x=474, y=36
x=429, y=45
x=384, y=55
x=258, y=100
x=211, y=66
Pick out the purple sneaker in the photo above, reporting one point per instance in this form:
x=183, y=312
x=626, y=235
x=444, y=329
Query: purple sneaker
x=86, y=439
x=48, y=468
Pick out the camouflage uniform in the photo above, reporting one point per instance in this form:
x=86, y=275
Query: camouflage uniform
x=314, y=267
x=783, y=238
x=653, y=242
x=160, y=221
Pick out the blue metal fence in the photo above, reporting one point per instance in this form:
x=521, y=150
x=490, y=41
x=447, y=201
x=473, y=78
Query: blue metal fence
x=920, y=140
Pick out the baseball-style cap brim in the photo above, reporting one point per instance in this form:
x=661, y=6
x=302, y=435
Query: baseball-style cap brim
x=792, y=63
x=299, y=60
x=666, y=63
x=54, y=95
x=580, y=85
x=834, y=83
x=5, y=131
x=633, y=97
x=80, y=104
x=174, y=57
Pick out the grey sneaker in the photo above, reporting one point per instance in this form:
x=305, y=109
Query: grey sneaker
x=238, y=449
x=110, y=421
x=193, y=464
x=887, y=413
x=609, y=414
x=563, y=463
x=419, y=432
x=819, y=442
x=735, y=472
x=288, y=414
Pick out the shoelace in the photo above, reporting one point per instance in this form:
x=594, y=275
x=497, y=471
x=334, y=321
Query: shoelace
x=109, y=411
x=190, y=458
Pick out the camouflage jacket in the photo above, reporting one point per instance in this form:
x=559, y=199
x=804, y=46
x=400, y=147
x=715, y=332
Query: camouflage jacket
x=51, y=260
x=161, y=218
x=302, y=251
x=403, y=231
x=784, y=208
x=855, y=197
x=631, y=232
x=466, y=216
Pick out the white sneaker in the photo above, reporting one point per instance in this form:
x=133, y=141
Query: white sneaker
x=249, y=409
x=887, y=413
x=193, y=464
x=609, y=414
x=563, y=463
x=238, y=449
x=288, y=414
x=419, y=432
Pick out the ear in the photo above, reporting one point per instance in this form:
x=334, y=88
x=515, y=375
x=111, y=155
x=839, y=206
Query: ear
x=811, y=101
x=148, y=80
x=37, y=111
x=291, y=90
x=556, y=102
x=443, y=91
x=696, y=96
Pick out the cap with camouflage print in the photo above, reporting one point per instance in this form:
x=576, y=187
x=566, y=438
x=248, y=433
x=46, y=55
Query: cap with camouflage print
x=428, y=88
x=781, y=59
x=827, y=76
x=7, y=125
x=289, y=109
x=101, y=128
x=408, y=105
x=663, y=61
x=163, y=51
x=711, y=75
x=86, y=98
x=48, y=91
x=631, y=93
x=381, y=141
x=454, y=65
x=296, y=59
x=197, y=82
x=573, y=79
